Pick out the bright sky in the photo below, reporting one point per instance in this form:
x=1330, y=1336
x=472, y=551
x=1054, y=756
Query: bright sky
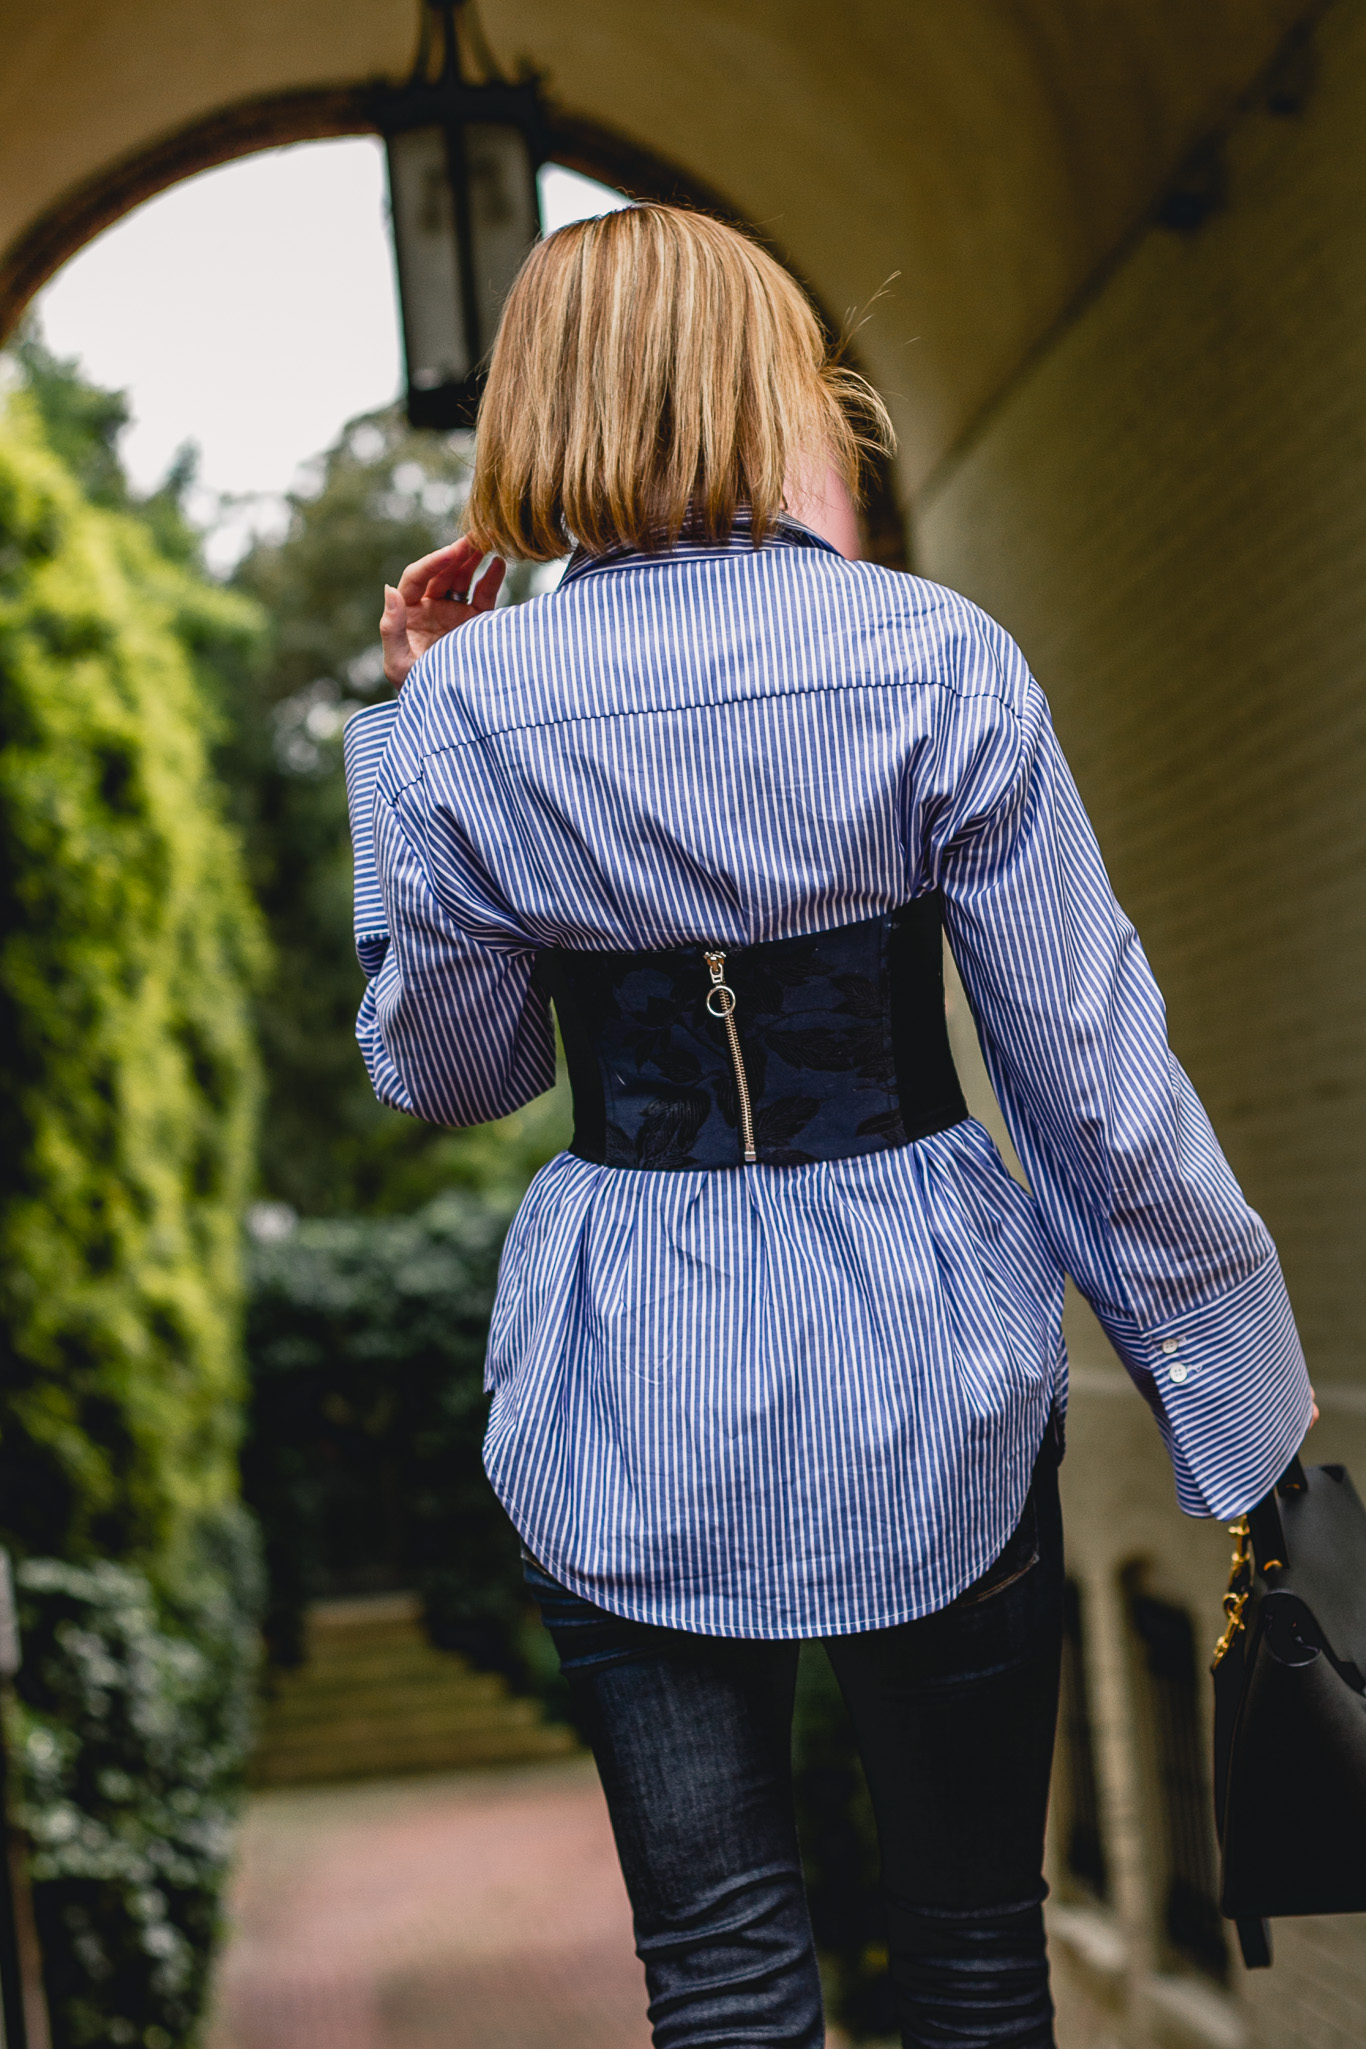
x=252, y=310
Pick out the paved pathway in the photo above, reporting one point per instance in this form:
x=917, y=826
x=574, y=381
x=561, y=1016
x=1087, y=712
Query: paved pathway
x=470, y=1910
x=482, y=1910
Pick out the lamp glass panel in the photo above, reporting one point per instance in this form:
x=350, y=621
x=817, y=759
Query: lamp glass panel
x=504, y=215
x=427, y=240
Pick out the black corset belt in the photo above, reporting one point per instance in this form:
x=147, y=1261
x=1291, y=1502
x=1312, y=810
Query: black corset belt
x=792, y=1050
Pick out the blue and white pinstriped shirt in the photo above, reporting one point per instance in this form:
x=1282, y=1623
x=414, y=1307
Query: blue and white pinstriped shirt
x=798, y=1401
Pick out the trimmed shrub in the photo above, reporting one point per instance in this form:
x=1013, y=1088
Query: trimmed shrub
x=127, y=1074
x=134, y=1717
x=365, y=1345
x=127, y=1093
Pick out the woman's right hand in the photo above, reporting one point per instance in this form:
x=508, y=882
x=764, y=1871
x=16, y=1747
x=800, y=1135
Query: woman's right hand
x=434, y=598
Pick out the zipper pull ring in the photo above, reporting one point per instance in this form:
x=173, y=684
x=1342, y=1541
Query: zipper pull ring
x=720, y=996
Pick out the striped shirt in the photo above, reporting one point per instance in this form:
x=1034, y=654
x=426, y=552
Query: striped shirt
x=801, y=1400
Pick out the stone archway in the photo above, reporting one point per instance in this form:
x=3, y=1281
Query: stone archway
x=279, y=120
x=993, y=157
x=272, y=122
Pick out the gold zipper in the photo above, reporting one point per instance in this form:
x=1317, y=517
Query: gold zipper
x=721, y=1003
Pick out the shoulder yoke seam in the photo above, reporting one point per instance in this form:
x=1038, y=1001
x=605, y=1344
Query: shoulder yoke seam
x=431, y=753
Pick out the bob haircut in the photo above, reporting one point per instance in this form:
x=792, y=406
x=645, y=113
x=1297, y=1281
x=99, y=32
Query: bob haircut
x=655, y=370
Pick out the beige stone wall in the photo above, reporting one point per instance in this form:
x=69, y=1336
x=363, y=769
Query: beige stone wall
x=1168, y=510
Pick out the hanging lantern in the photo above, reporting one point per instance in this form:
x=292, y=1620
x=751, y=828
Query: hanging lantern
x=463, y=160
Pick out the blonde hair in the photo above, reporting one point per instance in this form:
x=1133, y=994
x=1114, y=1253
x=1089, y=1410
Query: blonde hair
x=654, y=370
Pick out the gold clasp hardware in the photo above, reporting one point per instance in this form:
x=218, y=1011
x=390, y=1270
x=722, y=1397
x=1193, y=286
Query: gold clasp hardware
x=1239, y=1590
x=721, y=1004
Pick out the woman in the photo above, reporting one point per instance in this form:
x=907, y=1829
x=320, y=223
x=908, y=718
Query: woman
x=777, y=1352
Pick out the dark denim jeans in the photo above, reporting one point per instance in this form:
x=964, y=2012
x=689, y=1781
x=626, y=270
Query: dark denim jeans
x=954, y=1717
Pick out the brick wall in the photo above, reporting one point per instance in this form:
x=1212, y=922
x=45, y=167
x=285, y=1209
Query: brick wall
x=1168, y=510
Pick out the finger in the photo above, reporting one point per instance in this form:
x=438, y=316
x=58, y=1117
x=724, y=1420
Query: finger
x=454, y=581
x=393, y=638
x=484, y=596
x=455, y=563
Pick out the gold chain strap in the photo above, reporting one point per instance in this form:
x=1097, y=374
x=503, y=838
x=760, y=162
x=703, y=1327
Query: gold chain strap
x=1239, y=1589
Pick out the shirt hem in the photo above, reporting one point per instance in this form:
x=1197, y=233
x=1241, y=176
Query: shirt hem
x=981, y=1557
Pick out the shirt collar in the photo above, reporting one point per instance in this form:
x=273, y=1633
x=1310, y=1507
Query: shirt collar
x=785, y=533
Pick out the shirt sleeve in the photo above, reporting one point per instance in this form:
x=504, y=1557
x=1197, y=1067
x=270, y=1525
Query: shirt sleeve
x=1132, y=1188
x=450, y=1026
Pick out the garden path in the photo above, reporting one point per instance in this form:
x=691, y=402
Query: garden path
x=473, y=1910
x=466, y=1910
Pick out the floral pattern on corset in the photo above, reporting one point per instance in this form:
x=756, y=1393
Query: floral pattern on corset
x=815, y=1021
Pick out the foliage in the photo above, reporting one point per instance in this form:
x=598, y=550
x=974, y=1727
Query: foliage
x=380, y=498
x=82, y=425
x=365, y=1339
x=133, y=1721
x=127, y=1096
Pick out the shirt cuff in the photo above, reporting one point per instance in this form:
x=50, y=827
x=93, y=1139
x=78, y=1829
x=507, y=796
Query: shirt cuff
x=363, y=743
x=1230, y=1390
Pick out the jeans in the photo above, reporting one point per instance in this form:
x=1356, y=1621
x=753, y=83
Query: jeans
x=954, y=1718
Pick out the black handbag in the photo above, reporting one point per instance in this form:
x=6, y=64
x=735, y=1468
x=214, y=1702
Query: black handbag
x=1290, y=1709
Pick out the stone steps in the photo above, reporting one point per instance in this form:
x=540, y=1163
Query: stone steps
x=375, y=1700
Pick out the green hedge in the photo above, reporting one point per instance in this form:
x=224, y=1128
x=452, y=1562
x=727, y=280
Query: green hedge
x=127, y=1074
x=365, y=1344
x=127, y=1093
x=134, y=1720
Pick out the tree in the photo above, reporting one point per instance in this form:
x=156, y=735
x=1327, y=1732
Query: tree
x=379, y=498
x=366, y=1338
